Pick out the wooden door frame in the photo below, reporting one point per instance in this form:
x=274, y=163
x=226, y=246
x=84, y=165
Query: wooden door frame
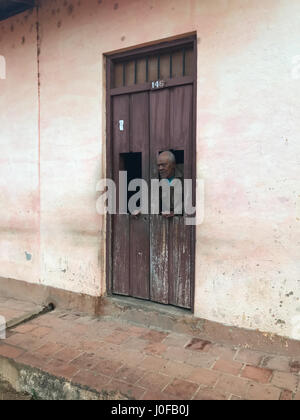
x=110, y=92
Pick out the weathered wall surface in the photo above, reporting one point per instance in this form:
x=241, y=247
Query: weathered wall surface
x=19, y=150
x=248, y=265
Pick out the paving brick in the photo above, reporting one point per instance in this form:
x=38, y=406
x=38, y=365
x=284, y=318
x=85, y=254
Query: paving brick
x=99, y=333
x=153, y=363
x=196, y=344
x=154, y=336
x=204, y=376
x=211, y=395
x=117, y=338
x=137, y=331
x=61, y=369
x=154, y=381
x=204, y=360
x=93, y=381
x=285, y=380
x=232, y=385
x=177, y=340
x=90, y=346
x=257, y=374
x=295, y=366
x=10, y=314
x=129, y=375
x=177, y=353
x=107, y=367
x=262, y=392
x=33, y=360
x=85, y=320
x=25, y=328
x=182, y=389
x=227, y=366
x=135, y=343
x=67, y=355
x=77, y=329
x=25, y=341
x=48, y=349
x=158, y=396
x=109, y=325
x=41, y=332
x=250, y=357
x=276, y=363
x=155, y=348
x=286, y=395
x=130, y=357
x=129, y=391
x=10, y=351
x=223, y=352
x=86, y=361
x=110, y=351
x=178, y=369
x=145, y=363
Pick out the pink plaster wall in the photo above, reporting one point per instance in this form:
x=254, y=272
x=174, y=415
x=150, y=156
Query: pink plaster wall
x=247, y=251
x=19, y=145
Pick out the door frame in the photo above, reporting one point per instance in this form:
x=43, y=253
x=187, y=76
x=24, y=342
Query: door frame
x=110, y=58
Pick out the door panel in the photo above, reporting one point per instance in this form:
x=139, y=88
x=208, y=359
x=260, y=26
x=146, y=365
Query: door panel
x=180, y=253
x=180, y=263
x=159, y=226
x=152, y=255
x=139, y=228
x=120, y=222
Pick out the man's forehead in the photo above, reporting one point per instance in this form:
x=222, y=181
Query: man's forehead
x=163, y=157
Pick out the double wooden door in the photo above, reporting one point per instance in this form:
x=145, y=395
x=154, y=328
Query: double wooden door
x=152, y=257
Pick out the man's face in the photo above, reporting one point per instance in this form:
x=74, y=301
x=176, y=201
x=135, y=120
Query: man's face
x=166, y=168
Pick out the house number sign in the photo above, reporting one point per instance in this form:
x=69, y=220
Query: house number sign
x=158, y=84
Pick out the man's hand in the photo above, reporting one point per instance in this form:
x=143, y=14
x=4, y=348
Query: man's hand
x=136, y=214
x=168, y=215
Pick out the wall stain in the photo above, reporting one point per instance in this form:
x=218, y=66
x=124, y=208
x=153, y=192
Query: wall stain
x=70, y=9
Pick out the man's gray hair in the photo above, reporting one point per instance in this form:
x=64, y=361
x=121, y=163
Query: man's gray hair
x=170, y=155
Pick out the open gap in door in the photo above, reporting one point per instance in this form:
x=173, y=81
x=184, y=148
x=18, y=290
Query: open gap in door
x=132, y=164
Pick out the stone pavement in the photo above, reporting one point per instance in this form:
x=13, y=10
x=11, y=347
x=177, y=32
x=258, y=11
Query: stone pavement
x=141, y=363
x=15, y=311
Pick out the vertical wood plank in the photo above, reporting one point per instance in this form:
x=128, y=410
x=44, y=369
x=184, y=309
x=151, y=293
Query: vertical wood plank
x=121, y=238
x=180, y=253
x=159, y=227
x=139, y=228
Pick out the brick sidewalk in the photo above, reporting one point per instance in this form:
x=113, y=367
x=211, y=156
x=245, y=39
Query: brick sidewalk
x=144, y=363
x=15, y=310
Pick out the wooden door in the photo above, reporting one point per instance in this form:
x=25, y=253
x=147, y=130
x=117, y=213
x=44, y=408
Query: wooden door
x=151, y=109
